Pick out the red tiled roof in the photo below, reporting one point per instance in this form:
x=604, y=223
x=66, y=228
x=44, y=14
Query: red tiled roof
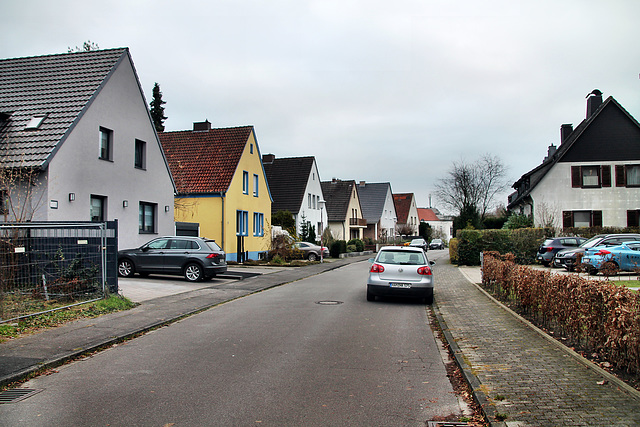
x=403, y=205
x=204, y=161
x=426, y=214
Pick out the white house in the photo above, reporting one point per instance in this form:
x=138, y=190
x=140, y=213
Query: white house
x=592, y=178
x=80, y=121
x=376, y=199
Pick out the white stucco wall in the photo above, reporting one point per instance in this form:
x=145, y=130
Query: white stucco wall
x=312, y=214
x=77, y=169
x=389, y=217
x=554, y=194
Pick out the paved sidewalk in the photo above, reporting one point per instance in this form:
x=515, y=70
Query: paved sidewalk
x=24, y=356
x=517, y=371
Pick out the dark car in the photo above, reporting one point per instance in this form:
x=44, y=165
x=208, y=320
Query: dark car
x=567, y=257
x=195, y=258
x=420, y=243
x=311, y=251
x=436, y=244
x=550, y=247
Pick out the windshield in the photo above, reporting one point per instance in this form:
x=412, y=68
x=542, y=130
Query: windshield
x=592, y=242
x=401, y=257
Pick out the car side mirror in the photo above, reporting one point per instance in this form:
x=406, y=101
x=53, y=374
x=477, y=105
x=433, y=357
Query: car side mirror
x=144, y=248
x=432, y=263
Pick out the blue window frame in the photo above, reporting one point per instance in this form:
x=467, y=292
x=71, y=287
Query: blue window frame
x=258, y=224
x=245, y=182
x=256, y=184
x=242, y=223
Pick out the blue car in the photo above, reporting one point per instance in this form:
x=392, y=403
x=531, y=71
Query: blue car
x=624, y=257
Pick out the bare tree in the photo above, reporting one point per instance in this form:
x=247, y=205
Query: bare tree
x=473, y=185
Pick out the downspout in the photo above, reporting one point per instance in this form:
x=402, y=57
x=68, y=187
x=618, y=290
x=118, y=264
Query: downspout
x=222, y=195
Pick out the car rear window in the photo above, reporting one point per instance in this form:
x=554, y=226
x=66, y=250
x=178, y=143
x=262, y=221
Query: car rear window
x=548, y=242
x=213, y=245
x=401, y=257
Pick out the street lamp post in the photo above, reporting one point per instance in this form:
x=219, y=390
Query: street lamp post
x=321, y=203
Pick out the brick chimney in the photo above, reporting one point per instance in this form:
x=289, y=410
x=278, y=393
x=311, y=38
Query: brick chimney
x=268, y=159
x=202, y=126
x=594, y=100
x=565, y=131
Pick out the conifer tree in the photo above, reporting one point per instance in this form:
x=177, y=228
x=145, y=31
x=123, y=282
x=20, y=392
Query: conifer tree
x=157, y=110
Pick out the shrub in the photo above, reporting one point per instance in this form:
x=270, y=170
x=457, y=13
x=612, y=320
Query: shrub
x=359, y=244
x=453, y=250
x=338, y=247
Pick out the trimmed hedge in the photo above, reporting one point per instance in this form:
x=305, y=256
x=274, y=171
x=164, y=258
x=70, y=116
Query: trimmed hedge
x=599, y=316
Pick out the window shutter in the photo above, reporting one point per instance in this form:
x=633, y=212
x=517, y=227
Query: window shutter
x=606, y=176
x=576, y=177
x=596, y=218
x=632, y=219
x=567, y=219
x=620, y=178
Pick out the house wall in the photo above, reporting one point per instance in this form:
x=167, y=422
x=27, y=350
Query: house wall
x=236, y=200
x=389, y=216
x=554, y=194
x=443, y=227
x=76, y=168
x=354, y=205
x=206, y=210
x=312, y=214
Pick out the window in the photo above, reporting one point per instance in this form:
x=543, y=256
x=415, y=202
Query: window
x=98, y=208
x=242, y=223
x=581, y=219
x=309, y=200
x=140, y=154
x=147, y=217
x=245, y=182
x=106, y=144
x=258, y=224
x=251, y=148
x=255, y=185
x=591, y=176
x=633, y=218
x=632, y=175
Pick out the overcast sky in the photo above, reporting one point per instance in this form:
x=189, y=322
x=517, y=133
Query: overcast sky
x=379, y=91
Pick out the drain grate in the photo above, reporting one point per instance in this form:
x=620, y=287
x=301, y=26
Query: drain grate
x=446, y=424
x=329, y=302
x=17, y=394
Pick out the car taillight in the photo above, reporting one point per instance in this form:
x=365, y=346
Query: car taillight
x=213, y=256
x=376, y=268
x=425, y=271
x=549, y=249
x=603, y=252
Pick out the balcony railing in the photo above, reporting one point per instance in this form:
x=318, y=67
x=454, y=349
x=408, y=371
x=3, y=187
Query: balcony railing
x=358, y=222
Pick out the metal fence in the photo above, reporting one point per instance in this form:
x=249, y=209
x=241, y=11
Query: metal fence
x=48, y=266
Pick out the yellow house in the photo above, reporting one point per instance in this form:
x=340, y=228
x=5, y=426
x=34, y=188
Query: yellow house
x=222, y=192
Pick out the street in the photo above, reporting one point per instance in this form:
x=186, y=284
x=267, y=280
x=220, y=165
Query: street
x=313, y=352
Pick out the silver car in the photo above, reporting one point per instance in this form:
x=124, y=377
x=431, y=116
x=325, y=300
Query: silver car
x=403, y=271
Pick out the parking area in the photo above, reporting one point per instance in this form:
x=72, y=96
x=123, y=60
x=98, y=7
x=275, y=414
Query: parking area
x=622, y=277
x=139, y=289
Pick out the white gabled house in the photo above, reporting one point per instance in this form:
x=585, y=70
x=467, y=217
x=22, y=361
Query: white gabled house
x=592, y=179
x=79, y=123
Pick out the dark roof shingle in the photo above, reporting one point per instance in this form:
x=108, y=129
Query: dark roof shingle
x=287, y=178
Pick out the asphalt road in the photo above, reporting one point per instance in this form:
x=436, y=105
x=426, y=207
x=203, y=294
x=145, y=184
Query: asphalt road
x=313, y=352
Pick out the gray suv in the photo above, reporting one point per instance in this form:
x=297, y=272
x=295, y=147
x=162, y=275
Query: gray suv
x=195, y=258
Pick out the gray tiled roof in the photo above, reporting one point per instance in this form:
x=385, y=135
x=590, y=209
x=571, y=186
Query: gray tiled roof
x=59, y=86
x=337, y=194
x=372, y=198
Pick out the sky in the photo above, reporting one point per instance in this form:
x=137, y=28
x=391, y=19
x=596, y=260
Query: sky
x=378, y=91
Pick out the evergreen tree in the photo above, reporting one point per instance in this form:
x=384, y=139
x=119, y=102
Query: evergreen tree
x=157, y=110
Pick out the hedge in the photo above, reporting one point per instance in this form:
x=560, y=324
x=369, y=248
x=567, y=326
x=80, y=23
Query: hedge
x=599, y=316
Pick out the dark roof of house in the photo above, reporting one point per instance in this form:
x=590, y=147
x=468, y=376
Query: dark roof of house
x=287, y=178
x=619, y=142
x=337, y=194
x=372, y=197
x=204, y=162
x=60, y=87
x=402, y=201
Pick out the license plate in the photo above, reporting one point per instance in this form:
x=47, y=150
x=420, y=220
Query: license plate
x=400, y=285
x=584, y=259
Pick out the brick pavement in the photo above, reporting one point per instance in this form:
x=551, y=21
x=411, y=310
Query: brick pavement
x=516, y=371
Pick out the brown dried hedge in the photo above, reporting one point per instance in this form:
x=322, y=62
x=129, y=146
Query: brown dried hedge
x=598, y=316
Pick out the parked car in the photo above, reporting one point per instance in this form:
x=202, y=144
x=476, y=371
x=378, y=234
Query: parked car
x=401, y=271
x=550, y=247
x=624, y=257
x=420, y=243
x=567, y=258
x=436, y=244
x=311, y=251
x=195, y=258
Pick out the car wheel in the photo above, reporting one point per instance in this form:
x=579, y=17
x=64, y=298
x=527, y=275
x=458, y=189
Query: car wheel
x=546, y=263
x=193, y=272
x=126, y=268
x=370, y=296
x=429, y=298
x=312, y=256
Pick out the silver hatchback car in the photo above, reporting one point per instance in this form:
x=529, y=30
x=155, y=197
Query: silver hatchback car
x=402, y=271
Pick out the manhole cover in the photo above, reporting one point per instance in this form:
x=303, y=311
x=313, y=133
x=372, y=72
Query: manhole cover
x=329, y=302
x=17, y=394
